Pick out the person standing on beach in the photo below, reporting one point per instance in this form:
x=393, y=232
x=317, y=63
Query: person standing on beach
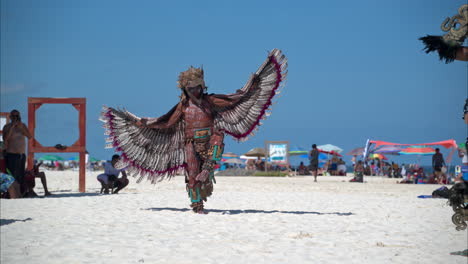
x=437, y=163
x=14, y=136
x=358, y=172
x=313, y=156
x=191, y=134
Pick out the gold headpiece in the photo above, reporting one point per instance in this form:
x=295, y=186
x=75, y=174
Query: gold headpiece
x=191, y=78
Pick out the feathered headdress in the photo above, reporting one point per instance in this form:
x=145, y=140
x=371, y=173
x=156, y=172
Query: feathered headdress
x=448, y=44
x=191, y=78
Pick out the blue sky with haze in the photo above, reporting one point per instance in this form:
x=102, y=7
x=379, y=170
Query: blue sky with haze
x=356, y=68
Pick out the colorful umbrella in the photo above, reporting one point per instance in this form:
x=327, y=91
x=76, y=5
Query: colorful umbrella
x=356, y=152
x=330, y=152
x=377, y=156
x=462, y=146
x=298, y=151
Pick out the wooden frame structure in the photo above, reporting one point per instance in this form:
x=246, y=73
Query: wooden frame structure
x=79, y=146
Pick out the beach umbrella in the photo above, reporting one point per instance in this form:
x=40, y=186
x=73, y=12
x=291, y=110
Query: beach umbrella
x=356, y=152
x=234, y=161
x=90, y=159
x=462, y=146
x=230, y=155
x=247, y=157
x=330, y=152
x=330, y=147
x=50, y=158
x=423, y=151
x=322, y=156
x=377, y=156
x=256, y=152
x=298, y=151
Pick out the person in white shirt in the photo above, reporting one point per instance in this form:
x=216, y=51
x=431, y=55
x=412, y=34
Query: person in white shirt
x=110, y=177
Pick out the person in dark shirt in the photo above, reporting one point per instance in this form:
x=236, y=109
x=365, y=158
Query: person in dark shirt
x=313, y=156
x=437, y=163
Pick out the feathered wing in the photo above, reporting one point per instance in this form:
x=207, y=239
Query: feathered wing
x=240, y=113
x=150, y=152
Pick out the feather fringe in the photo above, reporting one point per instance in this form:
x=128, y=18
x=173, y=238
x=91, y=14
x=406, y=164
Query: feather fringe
x=139, y=155
x=272, y=73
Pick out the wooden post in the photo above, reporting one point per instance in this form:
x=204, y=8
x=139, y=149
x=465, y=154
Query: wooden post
x=32, y=130
x=82, y=127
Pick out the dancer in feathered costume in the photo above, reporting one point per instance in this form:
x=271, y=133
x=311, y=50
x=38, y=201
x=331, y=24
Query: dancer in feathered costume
x=449, y=46
x=191, y=134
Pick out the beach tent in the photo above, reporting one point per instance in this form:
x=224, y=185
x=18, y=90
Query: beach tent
x=414, y=150
x=390, y=150
x=450, y=143
x=419, y=151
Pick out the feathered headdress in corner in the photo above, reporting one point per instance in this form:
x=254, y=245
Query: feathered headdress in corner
x=448, y=44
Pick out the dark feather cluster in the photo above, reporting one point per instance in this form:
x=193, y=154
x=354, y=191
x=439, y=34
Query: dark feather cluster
x=446, y=51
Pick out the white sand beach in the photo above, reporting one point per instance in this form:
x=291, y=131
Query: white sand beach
x=250, y=220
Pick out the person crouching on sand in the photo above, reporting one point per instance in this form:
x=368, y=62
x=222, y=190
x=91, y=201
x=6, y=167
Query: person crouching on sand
x=110, y=177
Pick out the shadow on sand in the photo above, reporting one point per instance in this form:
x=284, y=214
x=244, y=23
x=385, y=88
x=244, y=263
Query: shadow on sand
x=69, y=193
x=248, y=211
x=73, y=194
x=10, y=221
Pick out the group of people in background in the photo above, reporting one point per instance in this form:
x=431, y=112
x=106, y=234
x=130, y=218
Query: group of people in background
x=17, y=182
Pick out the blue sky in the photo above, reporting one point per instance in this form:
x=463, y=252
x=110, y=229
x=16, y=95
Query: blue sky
x=356, y=68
